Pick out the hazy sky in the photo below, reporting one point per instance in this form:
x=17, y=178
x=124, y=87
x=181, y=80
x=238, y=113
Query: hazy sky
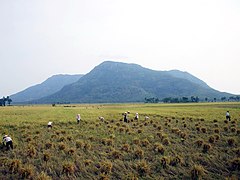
x=41, y=38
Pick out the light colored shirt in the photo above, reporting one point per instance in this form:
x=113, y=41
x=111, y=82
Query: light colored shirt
x=7, y=139
x=49, y=123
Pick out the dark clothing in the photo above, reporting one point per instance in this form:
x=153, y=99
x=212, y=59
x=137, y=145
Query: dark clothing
x=125, y=118
x=9, y=145
x=228, y=118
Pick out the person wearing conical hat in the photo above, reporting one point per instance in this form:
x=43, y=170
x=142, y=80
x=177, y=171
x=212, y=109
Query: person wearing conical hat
x=8, y=140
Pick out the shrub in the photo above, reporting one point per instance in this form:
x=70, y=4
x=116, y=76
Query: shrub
x=48, y=145
x=27, y=172
x=31, y=152
x=199, y=142
x=106, y=167
x=43, y=176
x=104, y=176
x=136, y=141
x=159, y=134
x=68, y=168
x=79, y=144
x=157, y=147
x=53, y=136
x=121, y=129
x=61, y=146
x=175, y=160
x=116, y=154
x=138, y=153
x=233, y=129
x=15, y=165
x=197, y=172
x=87, y=162
x=131, y=176
x=142, y=168
x=126, y=147
x=63, y=132
x=231, y=141
x=139, y=131
x=145, y=142
x=238, y=131
x=166, y=141
x=108, y=142
x=87, y=146
x=28, y=139
x=61, y=139
x=69, y=138
x=235, y=164
x=216, y=130
x=112, y=136
x=217, y=137
x=164, y=161
x=211, y=139
x=204, y=130
x=183, y=135
x=71, y=151
x=233, y=122
x=237, y=151
x=175, y=130
x=225, y=128
x=46, y=157
x=206, y=147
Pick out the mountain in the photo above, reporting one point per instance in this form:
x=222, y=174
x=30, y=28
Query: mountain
x=46, y=88
x=188, y=76
x=112, y=82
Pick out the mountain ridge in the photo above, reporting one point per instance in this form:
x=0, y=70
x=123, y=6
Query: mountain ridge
x=117, y=82
x=50, y=86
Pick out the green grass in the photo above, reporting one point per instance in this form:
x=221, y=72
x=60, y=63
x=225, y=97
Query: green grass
x=179, y=141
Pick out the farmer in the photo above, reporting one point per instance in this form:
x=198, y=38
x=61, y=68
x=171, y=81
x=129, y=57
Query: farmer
x=8, y=140
x=49, y=125
x=125, y=117
x=228, y=117
x=78, y=117
x=136, y=116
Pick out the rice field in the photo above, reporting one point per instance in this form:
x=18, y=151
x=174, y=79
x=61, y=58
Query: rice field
x=178, y=141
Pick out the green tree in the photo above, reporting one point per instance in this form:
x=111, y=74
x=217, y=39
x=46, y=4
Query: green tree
x=223, y=98
x=8, y=100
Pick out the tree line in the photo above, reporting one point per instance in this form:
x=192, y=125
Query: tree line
x=192, y=99
x=5, y=100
